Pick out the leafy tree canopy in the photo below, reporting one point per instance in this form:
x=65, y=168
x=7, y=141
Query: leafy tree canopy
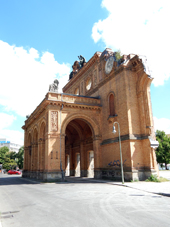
x=163, y=151
x=3, y=151
x=118, y=55
x=9, y=163
x=20, y=157
x=12, y=155
x=10, y=159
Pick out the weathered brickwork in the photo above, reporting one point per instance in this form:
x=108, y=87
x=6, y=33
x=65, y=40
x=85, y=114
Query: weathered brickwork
x=71, y=133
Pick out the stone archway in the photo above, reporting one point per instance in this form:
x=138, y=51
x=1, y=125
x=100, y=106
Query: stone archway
x=85, y=143
x=78, y=143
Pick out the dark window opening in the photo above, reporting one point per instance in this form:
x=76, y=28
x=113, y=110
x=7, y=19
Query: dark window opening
x=111, y=105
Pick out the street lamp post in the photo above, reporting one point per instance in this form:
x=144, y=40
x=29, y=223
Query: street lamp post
x=121, y=163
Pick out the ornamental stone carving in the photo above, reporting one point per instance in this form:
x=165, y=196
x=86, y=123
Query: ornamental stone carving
x=54, y=121
x=54, y=86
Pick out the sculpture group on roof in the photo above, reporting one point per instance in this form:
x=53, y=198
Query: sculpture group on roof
x=77, y=66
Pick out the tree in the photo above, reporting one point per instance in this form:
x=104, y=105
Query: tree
x=20, y=157
x=118, y=55
x=7, y=158
x=12, y=155
x=163, y=151
x=9, y=163
x=3, y=151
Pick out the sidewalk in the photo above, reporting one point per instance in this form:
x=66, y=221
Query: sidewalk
x=160, y=188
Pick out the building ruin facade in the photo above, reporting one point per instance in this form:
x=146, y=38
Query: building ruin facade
x=70, y=133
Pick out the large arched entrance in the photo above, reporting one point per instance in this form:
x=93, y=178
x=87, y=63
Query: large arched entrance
x=79, y=155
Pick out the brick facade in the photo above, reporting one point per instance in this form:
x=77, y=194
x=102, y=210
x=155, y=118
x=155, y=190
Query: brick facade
x=71, y=133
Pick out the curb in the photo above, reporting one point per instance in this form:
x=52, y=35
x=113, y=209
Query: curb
x=156, y=193
x=124, y=185
x=111, y=183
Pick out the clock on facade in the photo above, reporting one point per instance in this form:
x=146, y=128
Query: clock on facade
x=109, y=65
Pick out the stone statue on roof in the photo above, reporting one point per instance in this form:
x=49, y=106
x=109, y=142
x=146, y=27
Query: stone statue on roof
x=54, y=86
x=82, y=61
x=77, y=66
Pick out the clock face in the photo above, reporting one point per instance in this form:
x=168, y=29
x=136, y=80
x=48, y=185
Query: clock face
x=109, y=65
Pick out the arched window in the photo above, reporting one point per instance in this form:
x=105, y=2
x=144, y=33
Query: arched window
x=112, y=105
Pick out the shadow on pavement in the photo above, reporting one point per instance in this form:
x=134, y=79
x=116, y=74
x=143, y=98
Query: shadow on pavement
x=17, y=180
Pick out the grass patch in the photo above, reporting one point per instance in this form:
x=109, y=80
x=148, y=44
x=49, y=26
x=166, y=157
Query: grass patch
x=154, y=178
x=162, y=179
x=135, y=180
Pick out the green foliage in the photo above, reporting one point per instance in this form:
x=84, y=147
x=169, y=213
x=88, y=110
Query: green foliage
x=3, y=151
x=118, y=55
x=8, y=158
x=163, y=151
x=135, y=180
x=11, y=159
x=153, y=178
x=9, y=163
x=12, y=155
x=162, y=179
x=20, y=157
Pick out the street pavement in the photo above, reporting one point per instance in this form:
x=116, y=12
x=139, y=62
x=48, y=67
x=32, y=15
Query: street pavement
x=82, y=202
x=162, y=188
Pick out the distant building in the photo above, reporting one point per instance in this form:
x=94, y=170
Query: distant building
x=12, y=146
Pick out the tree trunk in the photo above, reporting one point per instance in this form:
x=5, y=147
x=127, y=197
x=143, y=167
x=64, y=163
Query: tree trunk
x=166, y=167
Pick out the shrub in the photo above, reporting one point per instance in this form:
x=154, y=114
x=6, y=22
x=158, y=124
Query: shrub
x=153, y=178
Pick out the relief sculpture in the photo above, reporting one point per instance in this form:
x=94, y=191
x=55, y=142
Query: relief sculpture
x=54, y=121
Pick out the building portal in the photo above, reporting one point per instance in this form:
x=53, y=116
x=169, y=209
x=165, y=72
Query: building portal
x=71, y=133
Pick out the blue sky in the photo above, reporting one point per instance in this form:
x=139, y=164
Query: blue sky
x=40, y=40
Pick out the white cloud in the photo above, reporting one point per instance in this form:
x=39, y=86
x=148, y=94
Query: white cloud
x=162, y=124
x=25, y=77
x=6, y=120
x=12, y=135
x=139, y=27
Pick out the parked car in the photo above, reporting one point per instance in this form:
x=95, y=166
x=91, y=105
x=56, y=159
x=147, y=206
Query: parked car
x=14, y=172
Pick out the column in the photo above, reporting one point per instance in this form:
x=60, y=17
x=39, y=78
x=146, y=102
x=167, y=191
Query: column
x=83, y=172
x=72, y=170
x=97, y=156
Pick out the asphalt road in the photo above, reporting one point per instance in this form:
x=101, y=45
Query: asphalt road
x=24, y=203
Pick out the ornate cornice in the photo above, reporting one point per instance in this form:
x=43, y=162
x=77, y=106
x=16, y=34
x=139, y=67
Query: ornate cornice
x=65, y=101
